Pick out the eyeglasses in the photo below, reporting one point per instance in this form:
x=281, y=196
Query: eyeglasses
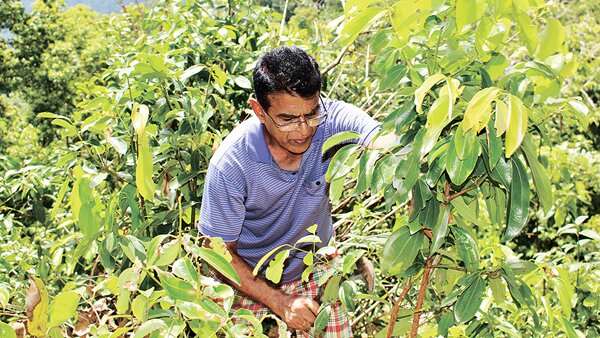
x=311, y=122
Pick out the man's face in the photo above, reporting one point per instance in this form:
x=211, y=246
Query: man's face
x=285, y=109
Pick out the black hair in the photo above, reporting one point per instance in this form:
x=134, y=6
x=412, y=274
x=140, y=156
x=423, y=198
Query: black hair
x=286, y=70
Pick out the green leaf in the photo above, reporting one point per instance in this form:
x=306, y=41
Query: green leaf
x=243, y=82
x=330, y=294
x=144, y=169
x=469, y=301
x=139, y=307
x=568, y=328
x=218, y=262
x=365, y=173
x=498, y=290
x=383, y=172
x=466, y=211
x=359, y=23
x=275, y=268
x=6, y=331
x=437, y=120
x=408, y=171
x=517, y=125
x=150, y=326
x=178, y=289
x=502, y=118
x=322, y=319
x=494, y=146
x=391, y=79
x=339, y=138
x=540, y=176
x=347, y=294
x=565, y=292
x=184, y=268
x=459, y=170
x=440, y=230
x=400, y=250
x=518, y=209
x=550, y=39
x=527, y=29
x=70, y=129
x=119, y=144
x=503, y=172
x=62, y=308
x=466, y=248
x=468, y=12
x=37, y=307
x=338, y=166
x=193, y=70
x=479, y=110
x=425, y=88
x=61, y=194
x=89, y=220
x=168, y=252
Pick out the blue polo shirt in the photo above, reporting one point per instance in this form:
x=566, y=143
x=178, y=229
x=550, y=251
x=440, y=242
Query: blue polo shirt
x=249, y=199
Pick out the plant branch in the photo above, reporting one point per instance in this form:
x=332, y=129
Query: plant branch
x=336, y=61
x=396, y=308
x=421, y=297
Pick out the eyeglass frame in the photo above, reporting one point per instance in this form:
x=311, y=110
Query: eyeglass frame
x=320, y=118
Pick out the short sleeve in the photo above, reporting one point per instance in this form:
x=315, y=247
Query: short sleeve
x=222, y=211
x=347, y=117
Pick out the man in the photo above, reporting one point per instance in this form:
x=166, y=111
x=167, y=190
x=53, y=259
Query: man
x=266, y=184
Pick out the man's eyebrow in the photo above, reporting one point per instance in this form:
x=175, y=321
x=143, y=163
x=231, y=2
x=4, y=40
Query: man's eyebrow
x=286, y=116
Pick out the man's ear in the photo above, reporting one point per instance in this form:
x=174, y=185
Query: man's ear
x=256, y=107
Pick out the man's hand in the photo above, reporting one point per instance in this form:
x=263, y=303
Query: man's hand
x=297, y=312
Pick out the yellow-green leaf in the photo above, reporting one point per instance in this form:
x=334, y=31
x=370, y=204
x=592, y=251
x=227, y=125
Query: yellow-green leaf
x=468, y=12
x=361, y=21
x=502, y=118
x=517, y=125
x=6, y=331
x=479, y=110
x=551, y=39
x=339, y=138
x=144, y=170
x=425, y=88
x=275, y=268
x=218, y=262
x=63, y=307
x=139, y=118
x=37, y=307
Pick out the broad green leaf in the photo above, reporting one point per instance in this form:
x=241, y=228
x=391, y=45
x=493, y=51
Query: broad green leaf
x=568, y=328
x=193, y=310
x=496, y=66
x=89, y=220
x=178, y=289
x=494, y=146
x=517, y=125
x=400, y=250
x=347, y=295
x=469, y=301
x=275, y=268
x=150, y=326
x=125, y=280
x=459, y=170
x=62, y=308
x=459, y=287
x=502, y=118
x=421, y=194
x=337, y=166
x=408, y=171
x=551, y=39
x=243, y=82
x=540, y=176
x=322, y=319
x=168, y=252
x=503, y=172
x=360, y=22
x=37, y=307
x=193, y=70
x=440, y=230
x=518, y=209
x=466, y=247
x=144, y=170
x=70, y=129
x=468, y=12
x=425, y=88
x=436, y=168
x=184, y=268
x=330, y=294
x=479, y=110
x=437, y=120
x=219, y=263
x=464, y=142
x=446, y=322
x=6, y=331
x=528, y=32
x=565, y=292
x=409, y=16
x=339, y=138
x=219, y=75
x=498, y=290
x=139, y=307
x=520, y=267
x=139, y=119
x=466, y=211
x=383, y=173
x=391, y=79
x=119, y=144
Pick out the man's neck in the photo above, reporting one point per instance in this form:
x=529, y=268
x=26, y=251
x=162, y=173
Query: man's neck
x=282, y=157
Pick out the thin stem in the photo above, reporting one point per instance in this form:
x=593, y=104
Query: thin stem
x=396, y=307
x=336, y=61
x=421, y=297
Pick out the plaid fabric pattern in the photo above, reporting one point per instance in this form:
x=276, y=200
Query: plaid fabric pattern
x=338, y=325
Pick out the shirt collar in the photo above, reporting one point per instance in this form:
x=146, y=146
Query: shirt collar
x=257, y=145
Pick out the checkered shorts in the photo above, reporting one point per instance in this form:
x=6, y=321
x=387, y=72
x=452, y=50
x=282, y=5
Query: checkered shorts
x=337, y=326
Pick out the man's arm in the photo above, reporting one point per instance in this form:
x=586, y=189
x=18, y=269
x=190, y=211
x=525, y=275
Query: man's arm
x=297, y=312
